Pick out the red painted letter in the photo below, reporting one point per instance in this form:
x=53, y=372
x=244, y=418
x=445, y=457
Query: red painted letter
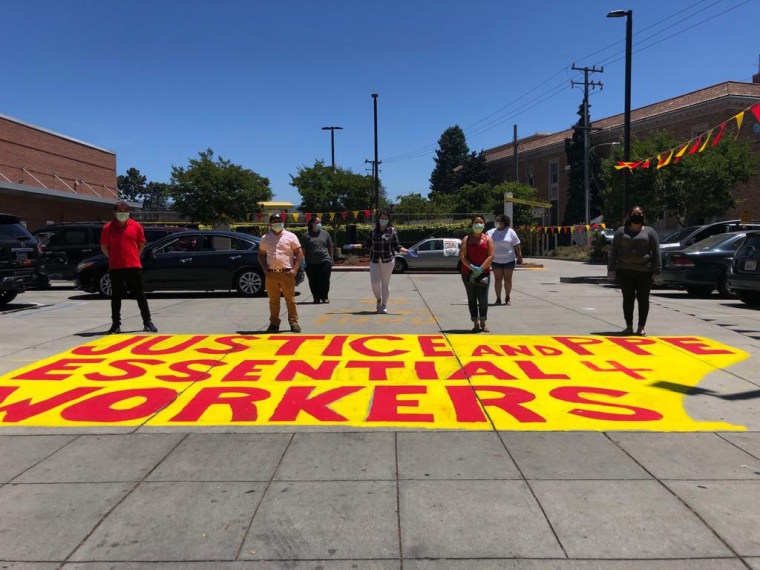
x=385, y=405
x=242, y=402
x=572, y=394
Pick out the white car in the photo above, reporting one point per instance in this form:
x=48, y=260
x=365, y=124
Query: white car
x=430, y=253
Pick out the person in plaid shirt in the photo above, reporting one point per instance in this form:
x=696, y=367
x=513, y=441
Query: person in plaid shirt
x=383, y=245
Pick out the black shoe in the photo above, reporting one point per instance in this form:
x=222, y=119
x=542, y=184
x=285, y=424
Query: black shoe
x=273, y=328
x=149, y=327
x=115, y=329
x=295, y=327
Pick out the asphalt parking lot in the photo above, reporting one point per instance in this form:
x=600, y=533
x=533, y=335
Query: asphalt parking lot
x=658, y=468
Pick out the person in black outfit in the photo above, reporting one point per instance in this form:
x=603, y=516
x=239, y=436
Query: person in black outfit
x=318, y=249
x=634, y=260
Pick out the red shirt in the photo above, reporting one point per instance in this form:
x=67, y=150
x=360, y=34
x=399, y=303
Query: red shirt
x=477, y=252
x=123, y=243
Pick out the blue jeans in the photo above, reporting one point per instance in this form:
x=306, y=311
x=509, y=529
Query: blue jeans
x=477, y=299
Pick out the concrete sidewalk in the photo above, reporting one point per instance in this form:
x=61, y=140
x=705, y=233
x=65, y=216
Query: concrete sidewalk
x=298, y=497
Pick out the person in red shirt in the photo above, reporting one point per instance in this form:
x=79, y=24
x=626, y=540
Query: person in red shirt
x=122, y=241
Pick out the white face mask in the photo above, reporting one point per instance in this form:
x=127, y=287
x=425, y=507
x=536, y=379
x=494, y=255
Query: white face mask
x=122, y=216
x=318, y=226
x=383, y=223
x=276, y=227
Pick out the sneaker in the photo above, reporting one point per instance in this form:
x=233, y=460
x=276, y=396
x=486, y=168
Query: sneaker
x=115, y=329
x=150, y=327
x=383, y=309
x=295, y=327
x=641, y=332
x=273, y=328
x=378, y=305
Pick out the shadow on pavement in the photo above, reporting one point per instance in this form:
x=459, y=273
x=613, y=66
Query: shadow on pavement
x=696, y=391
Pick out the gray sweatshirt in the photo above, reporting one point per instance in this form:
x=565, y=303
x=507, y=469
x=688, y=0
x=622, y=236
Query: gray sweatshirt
x=635, y=251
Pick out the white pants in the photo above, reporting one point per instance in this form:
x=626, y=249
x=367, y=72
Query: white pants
x=380, y=276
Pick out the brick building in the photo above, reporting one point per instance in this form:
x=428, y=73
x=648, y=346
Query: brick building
x=542, y=160
x=48, y=177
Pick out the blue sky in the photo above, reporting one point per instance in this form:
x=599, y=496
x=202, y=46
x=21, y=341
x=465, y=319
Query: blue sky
x=159, y=81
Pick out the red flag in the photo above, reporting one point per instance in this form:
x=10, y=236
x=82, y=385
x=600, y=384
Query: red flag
x=720, y=133
x=344, y=215
x=756, y=110
x=308, y=217
x=694, y=149
x=366, y=215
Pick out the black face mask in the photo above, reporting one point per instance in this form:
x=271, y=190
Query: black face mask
x=637, y=219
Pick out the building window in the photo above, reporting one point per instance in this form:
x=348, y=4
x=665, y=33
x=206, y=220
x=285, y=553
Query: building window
x=529, y=175
x=553, y=172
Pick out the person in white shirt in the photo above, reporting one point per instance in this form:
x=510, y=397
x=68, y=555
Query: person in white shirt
x=506, y=253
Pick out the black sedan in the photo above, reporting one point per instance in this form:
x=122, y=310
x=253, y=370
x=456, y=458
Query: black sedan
x=702, y=267
x=744, y=277
x=189, y=261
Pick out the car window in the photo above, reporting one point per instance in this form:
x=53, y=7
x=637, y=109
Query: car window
x=96, y=233
x=222, y=243
x=13, y=231
x=431, y=245
x=752, y=242
x=720, y=241
x=75, y=236
x=154, y=235
x=179, y=244
x=678, y=235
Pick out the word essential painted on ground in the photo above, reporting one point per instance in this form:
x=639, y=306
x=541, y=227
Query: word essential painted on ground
x=409, y=381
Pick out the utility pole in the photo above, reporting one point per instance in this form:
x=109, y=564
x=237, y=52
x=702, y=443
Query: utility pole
x=586, y=131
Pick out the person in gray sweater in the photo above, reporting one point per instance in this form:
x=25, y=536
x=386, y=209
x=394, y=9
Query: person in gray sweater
x=634, y=261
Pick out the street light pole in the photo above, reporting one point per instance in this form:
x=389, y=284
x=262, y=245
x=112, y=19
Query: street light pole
x=376, y=185
x=332, y=140
x=627, y=117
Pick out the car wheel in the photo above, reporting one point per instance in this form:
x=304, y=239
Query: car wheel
x=699, y=291
x=723, y=289
x=7, y=296
x=249, y=282
x=104, y=285
x=400, y=265
x=749, y=297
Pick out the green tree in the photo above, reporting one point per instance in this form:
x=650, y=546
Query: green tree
x=327, y=189
x=575, y=209
x=697, y=188
x=475, y=170
x=210, y=191
x=522, y=215
x=416, y=204
x=478, y=199
x=156, y=196
x=449, y=159
x=131, y=186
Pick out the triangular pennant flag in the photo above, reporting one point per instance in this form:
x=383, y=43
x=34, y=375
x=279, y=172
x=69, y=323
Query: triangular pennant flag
x=739, y=119
x=694, y=148
x=664, y=161
x=366, y=215
x=308, y=217
x=604, y=226
x=646, y=164
x=259, y=216
x=344, y=215
x=707, y=139
x=588, y=227
x=720, y=134
x=295, y=217
x=680, y=152
x=356, y=214
x=756, y=111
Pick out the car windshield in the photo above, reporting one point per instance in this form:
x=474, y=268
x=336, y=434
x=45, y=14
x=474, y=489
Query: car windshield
x=718, y=241
x=679, y=235
x=14, y=231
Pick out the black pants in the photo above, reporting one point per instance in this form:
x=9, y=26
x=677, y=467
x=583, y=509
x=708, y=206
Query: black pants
x=123, y=280
x=635, y=286
x=319, y=279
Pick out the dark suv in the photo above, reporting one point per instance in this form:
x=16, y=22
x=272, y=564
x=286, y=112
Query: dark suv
x=64, y=246
x=744, y=273
x=19, y=258
x=683, y=238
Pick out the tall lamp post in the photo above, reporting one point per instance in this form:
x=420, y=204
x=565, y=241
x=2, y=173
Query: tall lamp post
x=332, y=140
x=627, y=120
x=376, y=185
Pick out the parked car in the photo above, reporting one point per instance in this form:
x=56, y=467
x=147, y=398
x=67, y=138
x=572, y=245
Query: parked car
x=430, y=253
x=744, y=275
x=702, y=267
x=193, y=260
x=63, y=246
x=608, y=234
x=19, y=258
x=683, y=238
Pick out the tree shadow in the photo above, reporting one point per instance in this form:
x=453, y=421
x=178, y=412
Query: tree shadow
x=696, y=391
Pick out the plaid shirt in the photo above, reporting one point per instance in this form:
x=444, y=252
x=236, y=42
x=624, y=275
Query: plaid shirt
x=383, y=245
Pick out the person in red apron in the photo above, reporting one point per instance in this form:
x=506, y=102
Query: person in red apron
x=476, y=255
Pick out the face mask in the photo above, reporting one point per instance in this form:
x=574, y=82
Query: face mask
x=637, y=219
x=276, y=227
x=122, y=216
x=318, y=226
x=383, y=223
x=478, y=228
